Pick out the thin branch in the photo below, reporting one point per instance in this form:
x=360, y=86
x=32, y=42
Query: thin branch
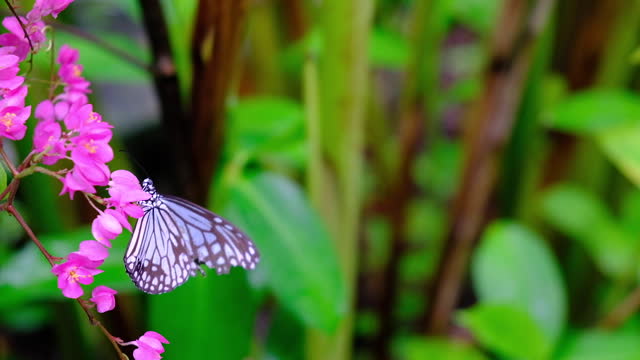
x=52, y=260
x=95, y=322
x=7, y=161
x=26, y=34
x=622, y=311
x=13, y=211
x=487, y=133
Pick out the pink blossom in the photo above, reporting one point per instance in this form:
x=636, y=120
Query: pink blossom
x=8, y=72
x=77, y=270
x=89, y=149
x=12, y=119
x=74, y=181
x=68, y=55
x=47, y=138
x=93, y=251
x=13, y=97
x=104, y=298
x=45, y=7
x=149, y=346
x=44, y=111
x=124, y=187
x=106, y=227
x=16, y=39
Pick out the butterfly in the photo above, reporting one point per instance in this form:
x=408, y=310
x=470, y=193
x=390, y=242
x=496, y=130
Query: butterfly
x=174, y=237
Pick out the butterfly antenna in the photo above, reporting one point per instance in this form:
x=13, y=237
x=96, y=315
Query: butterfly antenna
x=136, y=162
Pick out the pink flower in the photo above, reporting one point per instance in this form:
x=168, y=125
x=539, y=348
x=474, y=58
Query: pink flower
x=16, y=38
x=149, y=346
x=12, y=119
x=45, y=7
x=104, y=298
x=47, y=138
x=8, y=72
x=13, y=97
x=44, y=111
x=74, y=181
x=68, y=55
x=77, y=270
x=90, y=149
x=125, y=191
x=106, y=227
x=93, y=251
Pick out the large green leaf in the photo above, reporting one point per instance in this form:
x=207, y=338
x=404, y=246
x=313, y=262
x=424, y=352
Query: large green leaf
x=622, y=147
x=578, y=214
x=593, y=111
x=507, y=330
x=513, y=266
x=434, y=348
x=211, y=315
x=270, y=128
x=297, y=255
x=599, y=344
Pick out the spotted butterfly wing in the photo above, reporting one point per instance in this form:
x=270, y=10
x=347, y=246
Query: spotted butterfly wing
x=174, y=237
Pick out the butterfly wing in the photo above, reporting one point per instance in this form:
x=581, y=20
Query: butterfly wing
x=213, y=240
x=174, y=237
x=157, y=259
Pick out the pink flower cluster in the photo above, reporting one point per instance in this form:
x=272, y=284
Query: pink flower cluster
x=149, y=346
x=83, y=264
x=69, y=129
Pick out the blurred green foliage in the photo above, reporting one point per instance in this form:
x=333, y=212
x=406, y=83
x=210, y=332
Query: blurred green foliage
x=553, y=274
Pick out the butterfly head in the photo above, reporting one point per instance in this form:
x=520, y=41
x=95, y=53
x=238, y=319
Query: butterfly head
x=147, y=186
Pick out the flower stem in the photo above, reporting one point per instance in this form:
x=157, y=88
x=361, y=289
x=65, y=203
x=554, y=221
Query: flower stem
x=52, y=260
x=95, y=322
x=7, y=161
x=13, y=211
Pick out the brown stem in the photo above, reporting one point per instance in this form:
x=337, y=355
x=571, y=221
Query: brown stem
x=397, y=203
x=95, y=322
x=52, y=260
x=622, y=311
x=216, y=41
x=8, y=161
x=13, y=211
x=24, y=29
x=489, y=128
x=167, y=87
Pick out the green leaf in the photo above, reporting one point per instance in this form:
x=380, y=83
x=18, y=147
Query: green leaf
x=388, y=49
x=480, y=15
x=297, y=255
x=598, y=344
x=507, y=330
x=205, y=315
x=622, y=147
x=38, y=283
x=100, y=64
x=269, y=127
x=592, y=111
x=580, y=215
x=513, y=266
x=433, y=348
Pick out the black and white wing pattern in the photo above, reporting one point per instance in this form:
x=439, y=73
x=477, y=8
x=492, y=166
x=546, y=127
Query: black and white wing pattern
x=175, y=236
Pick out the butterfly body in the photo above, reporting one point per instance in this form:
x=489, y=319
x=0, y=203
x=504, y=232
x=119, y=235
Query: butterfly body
x=174, y=237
